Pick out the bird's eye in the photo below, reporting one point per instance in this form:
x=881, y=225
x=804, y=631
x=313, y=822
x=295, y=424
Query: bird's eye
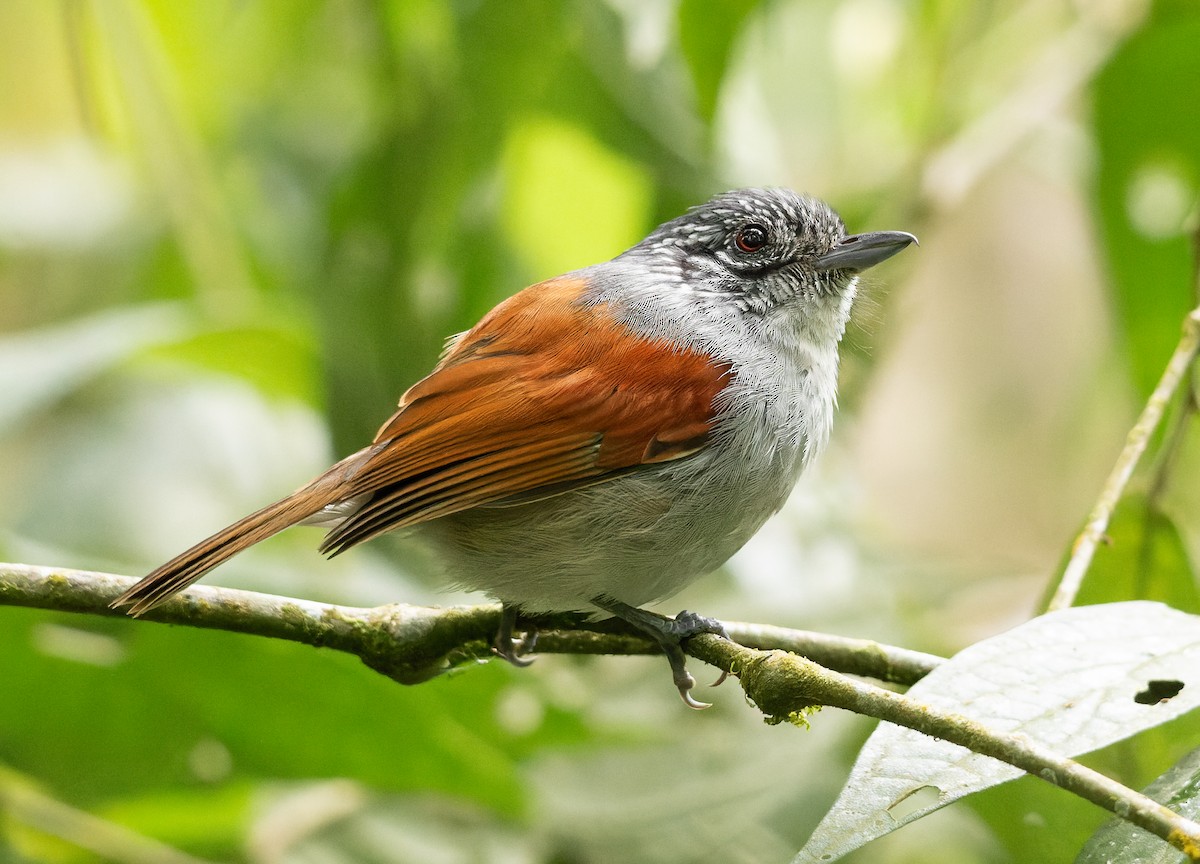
x=750, y=238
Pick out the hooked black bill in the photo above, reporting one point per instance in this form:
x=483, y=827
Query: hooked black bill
x=861, y=251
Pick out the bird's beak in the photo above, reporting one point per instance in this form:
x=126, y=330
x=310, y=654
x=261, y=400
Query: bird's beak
x=860, y=251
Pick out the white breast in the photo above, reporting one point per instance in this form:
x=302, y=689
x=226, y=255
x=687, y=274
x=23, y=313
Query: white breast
x=643, y=536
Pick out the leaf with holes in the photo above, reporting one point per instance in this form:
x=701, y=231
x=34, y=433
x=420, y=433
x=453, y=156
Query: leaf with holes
x=1073, y=681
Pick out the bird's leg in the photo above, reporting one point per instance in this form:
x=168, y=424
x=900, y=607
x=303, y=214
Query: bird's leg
x=505, y=646
x=668, y=633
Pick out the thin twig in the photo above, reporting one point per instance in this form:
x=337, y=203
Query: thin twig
x=1175, y=437
x=783, y=686
x=1135, y=445
x=1155, y=519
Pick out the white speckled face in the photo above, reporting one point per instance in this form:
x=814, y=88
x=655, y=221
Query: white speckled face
x=757, y=246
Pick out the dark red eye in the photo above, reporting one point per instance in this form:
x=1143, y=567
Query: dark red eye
x=750, y=238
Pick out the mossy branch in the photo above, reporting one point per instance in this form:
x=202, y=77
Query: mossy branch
x=411, y=644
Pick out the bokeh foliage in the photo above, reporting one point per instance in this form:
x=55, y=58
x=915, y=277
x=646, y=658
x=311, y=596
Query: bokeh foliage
x=232, y=232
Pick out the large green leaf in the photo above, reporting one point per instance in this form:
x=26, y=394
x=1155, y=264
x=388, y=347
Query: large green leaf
x=1144, y=557
x=1148, y=141
x=707, y=32
x=277, y=362
x=104, y=709
x=37, y=368
x=1118, y=842
x=1072, y=681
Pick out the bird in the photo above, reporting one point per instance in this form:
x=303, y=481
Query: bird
x=602, y=438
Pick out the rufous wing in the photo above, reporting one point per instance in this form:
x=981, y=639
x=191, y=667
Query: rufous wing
x=545, y=394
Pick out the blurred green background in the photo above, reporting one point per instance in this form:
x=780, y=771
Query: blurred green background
x=232, y=233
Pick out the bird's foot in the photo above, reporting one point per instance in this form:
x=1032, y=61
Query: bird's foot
x=506, y=646
x=669, y=633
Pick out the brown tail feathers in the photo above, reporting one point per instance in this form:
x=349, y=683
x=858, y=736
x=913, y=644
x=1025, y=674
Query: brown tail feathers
x=185, y=568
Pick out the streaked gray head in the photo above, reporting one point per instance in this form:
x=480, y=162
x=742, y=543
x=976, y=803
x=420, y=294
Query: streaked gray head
x=763, y=247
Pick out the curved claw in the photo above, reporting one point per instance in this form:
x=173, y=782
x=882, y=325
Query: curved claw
x=684, y=682
x=516, y=651
x=692, y=702
x=510, y=649
x=514, y=657
x=720, y=680
x=669, y=633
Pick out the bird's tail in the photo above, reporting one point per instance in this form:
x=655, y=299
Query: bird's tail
x=185, y=568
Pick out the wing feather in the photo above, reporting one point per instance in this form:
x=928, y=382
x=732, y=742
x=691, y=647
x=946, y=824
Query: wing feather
x=546, y=394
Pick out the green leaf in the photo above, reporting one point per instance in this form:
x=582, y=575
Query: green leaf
x=277, y=362
x=1118, y=842
x=1034, y=821
x=206, y=819
x=1144, y=558
x=707, y=32
x=135, y=707
x=1073, y=681
x=570, y=201
x=39, y=367
x=1148, y=180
